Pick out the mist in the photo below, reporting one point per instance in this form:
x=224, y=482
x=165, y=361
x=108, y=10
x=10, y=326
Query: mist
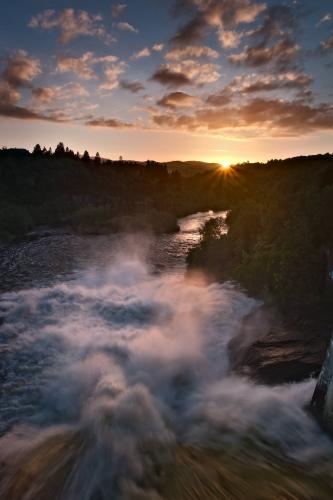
x=120, y=366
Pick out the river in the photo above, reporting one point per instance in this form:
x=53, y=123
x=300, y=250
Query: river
x=116, y=381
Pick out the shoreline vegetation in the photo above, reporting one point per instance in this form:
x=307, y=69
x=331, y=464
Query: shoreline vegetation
x=278, y=248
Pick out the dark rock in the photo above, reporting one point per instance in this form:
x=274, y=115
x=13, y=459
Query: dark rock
x=278, y=354
x=322, y=400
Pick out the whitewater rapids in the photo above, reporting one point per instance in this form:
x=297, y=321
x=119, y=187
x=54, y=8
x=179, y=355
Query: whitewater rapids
x=116, y=384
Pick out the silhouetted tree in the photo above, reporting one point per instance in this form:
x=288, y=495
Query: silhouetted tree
x=70, y=153
x=86, y=157
x=37, y=150
x=98, y=158
x=60, y=150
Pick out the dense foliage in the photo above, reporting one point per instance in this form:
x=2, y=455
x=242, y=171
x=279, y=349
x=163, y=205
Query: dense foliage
x=280, y=239
x=92, y=195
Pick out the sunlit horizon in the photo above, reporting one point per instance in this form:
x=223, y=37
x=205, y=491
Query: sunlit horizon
x=168, y=149
x=250, y=83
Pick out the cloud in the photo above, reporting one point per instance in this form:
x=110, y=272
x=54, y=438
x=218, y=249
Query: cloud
x=164, y=120
x=249, y=84
x=281, y=53
x=278, y=23
x=8, y=94
x=272, y=41
x=141, y=53
x=71, y=24
x=326, y=19
x=158, y=47
x=230, y=13
x=126, y=27
x=192, y=32
x=82, y=66
x=221, y=98
x=278, y=116
x=177, y=100
x=199, y=73
x=44, y=94
x=105, y=59
x=265, y=83
x=112, y=74
x=191, y=51
x=133, y=87
x=19, y=72
x=68, y=91
x=291, y=117
x=186, y=72
x=118, y=9
x=219, y=14
x=327, y=45
x=20, y=69
x=13, y=111
x=229, y=39
x=109, y=123
x=170, y=78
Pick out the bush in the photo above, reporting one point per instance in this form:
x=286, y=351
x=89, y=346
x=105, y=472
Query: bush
x=15, y=221
x=274, y=246
x=93, y=220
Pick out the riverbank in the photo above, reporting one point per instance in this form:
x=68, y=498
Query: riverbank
x=272, y=349
x=282, y=341
x=94, y=222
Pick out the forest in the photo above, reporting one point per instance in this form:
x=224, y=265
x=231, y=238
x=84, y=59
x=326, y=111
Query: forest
x=92, y=195
x=279, y=244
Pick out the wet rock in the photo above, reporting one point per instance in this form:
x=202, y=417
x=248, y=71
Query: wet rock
x=322, y=401
x=279, y=353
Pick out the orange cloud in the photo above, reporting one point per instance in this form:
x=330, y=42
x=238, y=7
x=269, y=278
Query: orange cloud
x=110, y=123
x=280, y=117
x=177, y=100
x=283, y=51
x=71, y=24
x=21, y=69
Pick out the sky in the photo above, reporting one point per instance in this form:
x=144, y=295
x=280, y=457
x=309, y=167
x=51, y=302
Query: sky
x=211, y=80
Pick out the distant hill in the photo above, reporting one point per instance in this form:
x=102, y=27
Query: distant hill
x=189, y=168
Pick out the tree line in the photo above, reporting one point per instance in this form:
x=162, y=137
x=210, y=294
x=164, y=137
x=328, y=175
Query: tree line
x=64, y=152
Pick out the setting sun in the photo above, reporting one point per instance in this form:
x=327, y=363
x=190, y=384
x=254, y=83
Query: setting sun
x=226, y=165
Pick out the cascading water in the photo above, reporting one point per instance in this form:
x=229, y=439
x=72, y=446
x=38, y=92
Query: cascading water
x=116, y=384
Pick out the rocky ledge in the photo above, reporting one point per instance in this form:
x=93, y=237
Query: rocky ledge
x=280, y=353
